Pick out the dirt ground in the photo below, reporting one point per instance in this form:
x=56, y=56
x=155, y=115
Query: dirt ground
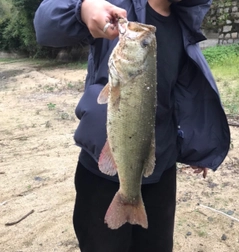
x=37, y=164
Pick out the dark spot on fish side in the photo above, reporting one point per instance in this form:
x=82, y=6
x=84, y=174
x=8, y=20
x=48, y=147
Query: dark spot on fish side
x=134, y=74
x=131, y=74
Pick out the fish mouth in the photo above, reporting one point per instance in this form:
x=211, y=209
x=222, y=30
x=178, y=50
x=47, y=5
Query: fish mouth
x=122, y=25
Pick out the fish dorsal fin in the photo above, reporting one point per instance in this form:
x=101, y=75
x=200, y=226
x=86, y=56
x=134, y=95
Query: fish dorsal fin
x=104, y=94
x=106, y=161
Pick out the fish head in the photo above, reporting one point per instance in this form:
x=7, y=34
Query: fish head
x=136, y=40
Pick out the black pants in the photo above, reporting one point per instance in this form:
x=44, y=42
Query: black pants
x=94, y=195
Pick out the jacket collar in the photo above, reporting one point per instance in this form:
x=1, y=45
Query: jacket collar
x=191, y=17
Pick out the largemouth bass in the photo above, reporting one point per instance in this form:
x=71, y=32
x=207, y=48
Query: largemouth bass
x=131, y=97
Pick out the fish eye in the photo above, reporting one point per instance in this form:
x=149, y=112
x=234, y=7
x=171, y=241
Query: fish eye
x=144, y=43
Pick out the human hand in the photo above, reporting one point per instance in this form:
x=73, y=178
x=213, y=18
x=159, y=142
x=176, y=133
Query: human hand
x=96, y=14
x=199, y=170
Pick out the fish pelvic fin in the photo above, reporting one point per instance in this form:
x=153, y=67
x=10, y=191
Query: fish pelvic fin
x=106, y=161
x=121, y=211
x=104, y=95
x=149, y=163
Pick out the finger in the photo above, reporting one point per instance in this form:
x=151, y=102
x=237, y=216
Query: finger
x=116, y=13
x=109, y=31
x=104, y=30
x=195, y=167
x=110, y=28
x=112, y=16
x=197, y=171
x=107, y=25
x=205, y=172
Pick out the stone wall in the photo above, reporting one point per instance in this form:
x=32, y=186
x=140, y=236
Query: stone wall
x=223, y=18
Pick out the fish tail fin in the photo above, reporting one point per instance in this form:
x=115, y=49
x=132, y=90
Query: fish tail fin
x=121, y=211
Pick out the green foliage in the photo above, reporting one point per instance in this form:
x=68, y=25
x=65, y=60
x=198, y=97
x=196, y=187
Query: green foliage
x=28, y=6
x=217, y=55
x=224, y=63
x=3, y=25
x=13, y=35
x=16, y=29
x=51, y=106
x=5, y=6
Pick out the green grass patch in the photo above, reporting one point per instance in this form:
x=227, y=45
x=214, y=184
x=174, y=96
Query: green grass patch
x=59, y=64
x=51, y=64
x=224, y=63
x=45, y=63
x=218, y=54
x=13, y=60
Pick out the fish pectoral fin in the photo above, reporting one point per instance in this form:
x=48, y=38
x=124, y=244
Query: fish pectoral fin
x=106, y=161
x=104, y=94
x=149, y=163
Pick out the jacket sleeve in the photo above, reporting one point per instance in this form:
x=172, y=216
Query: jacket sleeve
x=58, y=24
x=192, y=13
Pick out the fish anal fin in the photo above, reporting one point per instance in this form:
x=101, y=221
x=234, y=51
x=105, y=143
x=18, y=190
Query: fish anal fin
x=149, y=163
x=121, y=211
x=106, y=161
x=104, y=95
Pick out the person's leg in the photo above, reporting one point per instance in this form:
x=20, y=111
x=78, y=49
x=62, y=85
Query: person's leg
x=93, y=197
x=160, y=201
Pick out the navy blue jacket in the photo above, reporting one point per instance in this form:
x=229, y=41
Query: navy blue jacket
x=204, y=136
